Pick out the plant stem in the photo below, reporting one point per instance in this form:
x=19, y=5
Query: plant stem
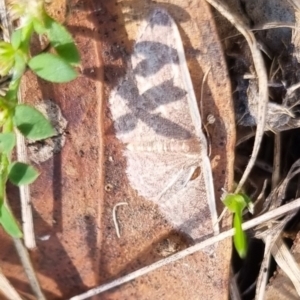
x=7, y=289
x=28, y=268
x=28, y=229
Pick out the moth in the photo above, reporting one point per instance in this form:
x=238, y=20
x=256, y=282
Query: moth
x=156, y=115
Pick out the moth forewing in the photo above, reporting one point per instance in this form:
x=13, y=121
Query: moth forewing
x=195, y=114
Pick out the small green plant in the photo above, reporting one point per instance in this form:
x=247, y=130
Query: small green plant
x=15, y=58
x=236, y=203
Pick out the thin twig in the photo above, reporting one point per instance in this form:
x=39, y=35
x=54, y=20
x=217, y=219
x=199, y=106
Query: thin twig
x=7, y=289
x=272, y=238
x=267, y=26
x=28, y=228
x=181, y=254
x=264, y=268
x=286, y=261
x=249, y=289
x=292, y=89
x=295, y=4
x=233, y=287
x=202, y=111
x=274, y=25
x=269, y=240
x=27, y=219
x=262, y=78
x=276, y=161
x=115, y=217
x=28, y=268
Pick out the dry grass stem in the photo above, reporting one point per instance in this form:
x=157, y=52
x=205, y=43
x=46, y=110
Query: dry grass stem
x=233, y=287
x=7, y=289
x=262, y=280
x=292, y=206
x=287, y=263
x=276, y=161
x=28, y=268
x=270, y=237
x=292, y=89
x=274, y=25
x=295, y=4
x=262, y=78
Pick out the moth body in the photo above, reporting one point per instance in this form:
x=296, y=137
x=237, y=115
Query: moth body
x=166, y=146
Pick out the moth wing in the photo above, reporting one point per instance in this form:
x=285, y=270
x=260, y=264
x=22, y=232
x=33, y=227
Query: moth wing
x=157, y=102
x=153, y=95
x=172, y=188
